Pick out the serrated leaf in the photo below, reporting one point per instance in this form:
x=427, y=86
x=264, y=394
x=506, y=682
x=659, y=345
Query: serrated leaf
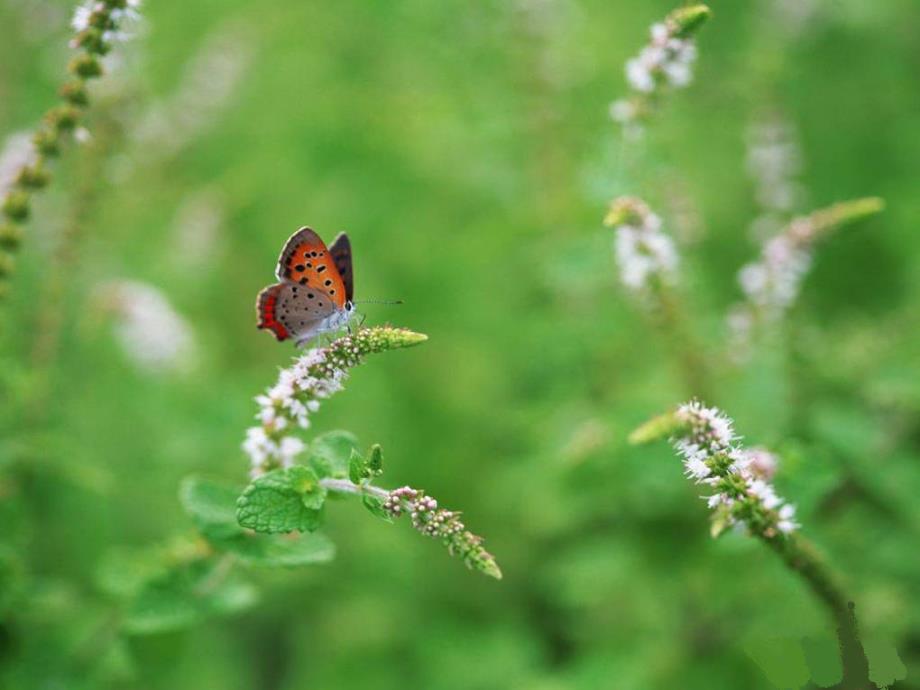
x=357, y=467
x=330, y=453
x=211, y=505
x=282, y=501
x=271, y=551
x=185, y=596
x=375, y=506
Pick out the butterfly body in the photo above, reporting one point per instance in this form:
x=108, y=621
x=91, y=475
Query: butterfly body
x=314, y=292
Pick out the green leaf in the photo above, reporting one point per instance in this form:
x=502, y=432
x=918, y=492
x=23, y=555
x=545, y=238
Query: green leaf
x=277, y=551
x=330, y=453
x=375, y=506
x=211, y=505
x=375, y=464
x=357, y=467
x=186, y=595
x=282, y=501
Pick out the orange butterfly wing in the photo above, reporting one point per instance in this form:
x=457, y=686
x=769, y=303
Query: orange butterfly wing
x=305, y=260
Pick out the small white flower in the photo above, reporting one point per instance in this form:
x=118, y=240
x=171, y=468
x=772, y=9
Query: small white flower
x=623, y=111
x=258, y=446
x=81, y=16
x=721, y=430
x=642, y=251
x=764, y=492
x=697, y=468
x=288, y=449
x=761, y=463
x=17, y=153
x=717, y=500
x=786, y=522
x=678, y=73
x=639, y=76
x=659, y=32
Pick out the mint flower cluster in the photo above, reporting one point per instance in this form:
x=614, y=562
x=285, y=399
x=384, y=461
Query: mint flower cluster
x=665, y=62
x=315, y=376
x=706, y=440
x=772, y=283
x=644, y=254
x=440, y=523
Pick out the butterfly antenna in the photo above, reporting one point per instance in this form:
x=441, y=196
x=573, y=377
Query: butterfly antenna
x=378, y=301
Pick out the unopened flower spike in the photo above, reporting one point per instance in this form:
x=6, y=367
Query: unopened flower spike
x=314, y=376
x=439, y=523
x=97, y=24
x=664, y=63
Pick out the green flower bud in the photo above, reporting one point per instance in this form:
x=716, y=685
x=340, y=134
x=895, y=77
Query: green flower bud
x=85, y=66
x=16, y=205
x=64, y=118
x=10, y=235
x=46, y=141
x=91, y=40
x=33, y=177
x=74, y=92
x=660, y=427
x=686, y=21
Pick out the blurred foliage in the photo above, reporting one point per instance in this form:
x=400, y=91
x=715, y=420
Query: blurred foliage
x=467, y=150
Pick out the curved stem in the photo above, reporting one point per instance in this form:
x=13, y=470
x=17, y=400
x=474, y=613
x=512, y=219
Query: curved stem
x=802, y=557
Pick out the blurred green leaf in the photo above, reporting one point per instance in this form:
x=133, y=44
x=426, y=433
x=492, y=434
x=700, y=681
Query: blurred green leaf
x=211, y=505
x=282, y=501
x=186, y=595
x=280, y=551
x=330, y=453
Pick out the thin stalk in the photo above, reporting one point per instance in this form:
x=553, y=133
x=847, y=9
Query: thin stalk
x=345, y=486
x=802, y=557
x=671, y=318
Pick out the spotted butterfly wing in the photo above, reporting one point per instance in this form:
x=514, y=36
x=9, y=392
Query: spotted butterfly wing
x=311, y=297
x=306, y=261
x=341, y=255
x=294, y=311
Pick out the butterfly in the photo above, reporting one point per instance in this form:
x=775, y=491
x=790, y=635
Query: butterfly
x=315, y=291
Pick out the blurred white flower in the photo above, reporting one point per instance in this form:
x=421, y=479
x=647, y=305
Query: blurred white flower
x=205, y=90
x=153, y=335
x=81, y=16
x=666, y=61
x=643, y=253
x=774, y=162
x=17, y=153
x=196, y=230
x=123, y=17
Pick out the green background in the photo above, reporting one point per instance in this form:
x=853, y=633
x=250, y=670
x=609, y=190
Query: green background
x=466, y=148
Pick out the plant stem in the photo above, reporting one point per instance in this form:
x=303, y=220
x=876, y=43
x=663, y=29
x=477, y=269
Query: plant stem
x=670, y=318
x=802, y=557
x=345, y=486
